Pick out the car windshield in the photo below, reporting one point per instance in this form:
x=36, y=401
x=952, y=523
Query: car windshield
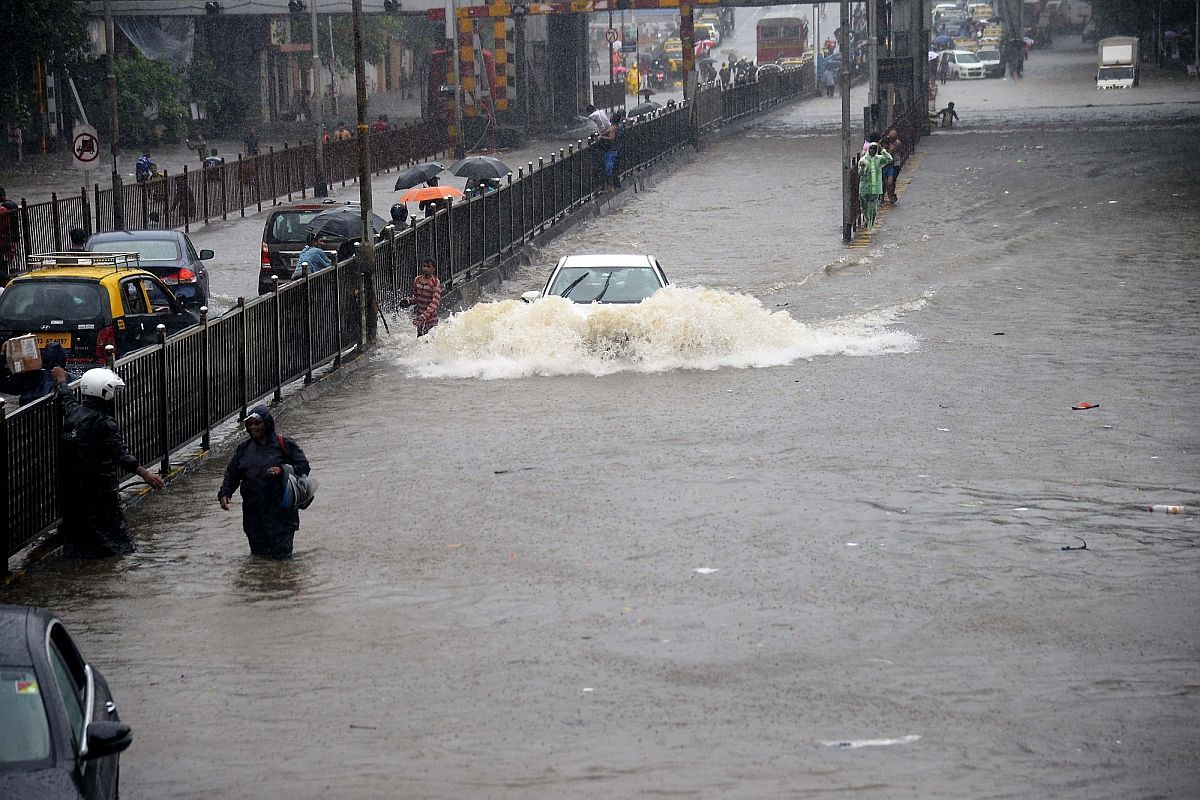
x=147, y=249
x=36, y=302
x=25, y=734
x=288, y=227
x=967, y=58
x=988, y=55
x=605, y=284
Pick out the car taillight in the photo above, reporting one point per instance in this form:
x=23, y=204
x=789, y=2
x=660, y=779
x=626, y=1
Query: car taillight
x=105, y=336
x=183, y=275
x=266, y=259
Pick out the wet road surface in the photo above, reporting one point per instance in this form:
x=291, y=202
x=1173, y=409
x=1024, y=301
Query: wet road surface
x=658, y=570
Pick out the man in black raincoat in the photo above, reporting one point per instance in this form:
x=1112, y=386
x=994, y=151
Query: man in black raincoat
x=93, y=456
x=257, y=467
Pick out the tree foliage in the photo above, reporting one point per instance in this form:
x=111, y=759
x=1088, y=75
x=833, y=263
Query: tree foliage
x=212, y=87
x=51, y=30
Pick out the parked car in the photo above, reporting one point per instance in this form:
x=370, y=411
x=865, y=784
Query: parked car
x=603, y=279
x=61, y=735
x=963, y=64
x=84, y=301
x=168, y=254
x=993, y=65
x=286, y=232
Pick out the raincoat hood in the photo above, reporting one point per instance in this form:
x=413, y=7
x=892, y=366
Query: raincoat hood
x=264, y=413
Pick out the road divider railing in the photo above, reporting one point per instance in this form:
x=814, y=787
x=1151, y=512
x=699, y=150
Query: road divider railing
x=186, y=385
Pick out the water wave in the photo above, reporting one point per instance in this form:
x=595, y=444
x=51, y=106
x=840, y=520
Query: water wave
x=676, y=328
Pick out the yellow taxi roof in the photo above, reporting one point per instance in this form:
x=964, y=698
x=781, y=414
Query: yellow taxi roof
x=75, y=271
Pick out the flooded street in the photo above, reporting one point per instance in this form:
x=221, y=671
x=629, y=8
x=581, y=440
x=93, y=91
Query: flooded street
x=794, y=528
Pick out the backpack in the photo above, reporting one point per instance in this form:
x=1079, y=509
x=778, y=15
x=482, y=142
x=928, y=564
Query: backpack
x=142, y=170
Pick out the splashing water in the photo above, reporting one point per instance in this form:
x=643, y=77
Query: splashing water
x=676, y=328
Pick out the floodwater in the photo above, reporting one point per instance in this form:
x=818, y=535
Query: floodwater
x=805, y=539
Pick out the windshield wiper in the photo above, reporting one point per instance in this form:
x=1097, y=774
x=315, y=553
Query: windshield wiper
x=604, y=289
x=574, y=283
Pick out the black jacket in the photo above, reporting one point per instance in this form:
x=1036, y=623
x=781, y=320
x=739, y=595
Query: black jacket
x=262, y=494
x=93, y=451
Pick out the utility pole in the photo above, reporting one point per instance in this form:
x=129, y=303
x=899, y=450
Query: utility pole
x=366, y=247
x=320, y=189
x=460, y=136
x=873, y=62
x=844, y=48
x=114, y=133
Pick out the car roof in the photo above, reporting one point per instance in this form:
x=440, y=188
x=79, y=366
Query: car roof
x=144, y=235
x=308, y=205
x=608, y=260
x=14, y=642
x=86, y=273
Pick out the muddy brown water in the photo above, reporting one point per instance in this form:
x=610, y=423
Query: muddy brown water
x=496, y=593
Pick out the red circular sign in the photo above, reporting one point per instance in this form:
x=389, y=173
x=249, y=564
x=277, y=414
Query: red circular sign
x=86, y=148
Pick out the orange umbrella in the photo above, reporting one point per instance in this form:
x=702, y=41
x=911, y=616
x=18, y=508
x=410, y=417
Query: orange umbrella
x=429, y=193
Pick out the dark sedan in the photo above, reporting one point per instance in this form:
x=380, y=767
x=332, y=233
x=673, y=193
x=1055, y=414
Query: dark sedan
x=60, y=735
x=170, y=255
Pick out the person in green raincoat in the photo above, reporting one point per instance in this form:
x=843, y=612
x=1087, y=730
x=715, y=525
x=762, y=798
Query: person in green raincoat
x=870, y=181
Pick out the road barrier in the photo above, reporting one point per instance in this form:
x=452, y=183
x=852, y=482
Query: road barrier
x=185, y=385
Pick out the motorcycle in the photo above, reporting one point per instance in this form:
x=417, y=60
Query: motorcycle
x=658, y=75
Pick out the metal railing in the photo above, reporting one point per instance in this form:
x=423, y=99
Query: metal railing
x=198, y=195
x=187, y=384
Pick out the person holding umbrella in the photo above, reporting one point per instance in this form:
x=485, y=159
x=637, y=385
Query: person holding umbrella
x=426, y=298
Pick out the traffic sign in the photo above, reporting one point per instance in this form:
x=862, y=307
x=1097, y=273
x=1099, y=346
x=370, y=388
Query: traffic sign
x=611, y=35
x=85, y=147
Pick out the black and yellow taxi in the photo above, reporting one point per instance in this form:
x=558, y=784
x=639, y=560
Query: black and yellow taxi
x=86, y=301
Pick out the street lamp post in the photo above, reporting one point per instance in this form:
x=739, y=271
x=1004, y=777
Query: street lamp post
x=366, y=247
x=114, y=133
x=320, y=188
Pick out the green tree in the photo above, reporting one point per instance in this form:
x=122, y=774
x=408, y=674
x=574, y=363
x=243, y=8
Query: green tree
x=418, y=33
x=53, y=31
x=225, y=105
x=148, y=101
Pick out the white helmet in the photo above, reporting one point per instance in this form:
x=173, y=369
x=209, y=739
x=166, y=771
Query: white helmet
x=102, y=383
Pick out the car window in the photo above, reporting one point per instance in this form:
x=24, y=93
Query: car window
x=967, y=58
x=191, y=249
x=606, y=284
x=70, y=678
x=25, y=734
x=147, y=250
x=40, y=301
x=289, y=227
x=159, y=299
x=132, y=296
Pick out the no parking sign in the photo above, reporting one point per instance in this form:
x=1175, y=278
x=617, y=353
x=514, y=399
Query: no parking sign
x=85, y=147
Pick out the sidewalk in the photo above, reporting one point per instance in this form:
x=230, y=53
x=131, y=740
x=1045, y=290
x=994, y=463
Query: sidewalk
x=38, y=176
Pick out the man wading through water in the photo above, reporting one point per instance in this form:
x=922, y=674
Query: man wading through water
x=426, y=297
x=257, y=467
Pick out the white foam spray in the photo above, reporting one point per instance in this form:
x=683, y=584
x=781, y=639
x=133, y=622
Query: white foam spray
x=676, y=328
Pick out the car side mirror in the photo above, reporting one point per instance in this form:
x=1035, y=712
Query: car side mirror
x=106, y=738
x=530, y=296
x=205, y=255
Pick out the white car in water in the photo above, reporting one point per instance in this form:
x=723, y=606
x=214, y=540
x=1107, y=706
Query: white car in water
x=603, y=279
x=963, y=64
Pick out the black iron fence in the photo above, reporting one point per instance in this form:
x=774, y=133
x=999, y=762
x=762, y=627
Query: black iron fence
x=195, y=196
x=184, y=386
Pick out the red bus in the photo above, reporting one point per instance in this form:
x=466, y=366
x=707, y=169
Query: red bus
x=781, y=38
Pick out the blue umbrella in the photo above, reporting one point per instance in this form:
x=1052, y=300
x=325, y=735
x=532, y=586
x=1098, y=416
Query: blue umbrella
x=943, y=39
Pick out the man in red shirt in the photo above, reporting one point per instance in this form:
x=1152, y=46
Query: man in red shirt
x=426, y=297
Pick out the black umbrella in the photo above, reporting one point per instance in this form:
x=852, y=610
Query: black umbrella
x=480, y=168
x=643, y=109
x=344, y=222
x=415, y=176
